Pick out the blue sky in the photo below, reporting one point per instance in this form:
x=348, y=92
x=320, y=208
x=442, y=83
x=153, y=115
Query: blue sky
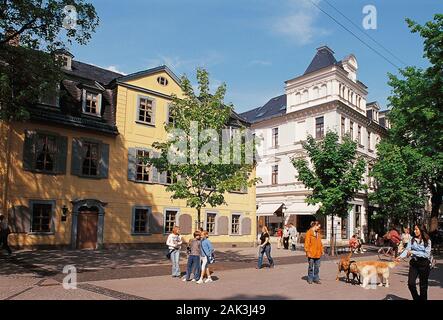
x=252, y=45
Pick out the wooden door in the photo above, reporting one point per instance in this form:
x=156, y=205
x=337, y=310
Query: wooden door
x=87, y=230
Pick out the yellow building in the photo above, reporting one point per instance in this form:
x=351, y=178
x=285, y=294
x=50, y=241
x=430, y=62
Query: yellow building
x=71, y=175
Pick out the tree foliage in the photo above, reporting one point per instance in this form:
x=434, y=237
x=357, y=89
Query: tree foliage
x=417, y=109
x=199, y=182
x=28, y=71
x=400, y=189
x=333, y=172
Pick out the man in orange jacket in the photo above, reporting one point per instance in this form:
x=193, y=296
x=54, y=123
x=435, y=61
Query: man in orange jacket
x=314, y=251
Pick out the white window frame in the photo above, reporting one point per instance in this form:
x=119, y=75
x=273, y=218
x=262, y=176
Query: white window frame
x=205, y=225
x=99, y=103
x=177, y=214
x=137, y=110
x=239, y=223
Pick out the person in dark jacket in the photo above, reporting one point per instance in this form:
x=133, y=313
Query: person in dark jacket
x=4, y=233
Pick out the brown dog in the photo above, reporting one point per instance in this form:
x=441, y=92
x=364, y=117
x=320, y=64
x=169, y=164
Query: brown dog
x=343, y=265
x=353, y=268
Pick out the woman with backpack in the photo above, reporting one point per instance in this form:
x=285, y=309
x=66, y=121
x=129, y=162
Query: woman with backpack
x=419, y=250
x=174, y=243
x=206, y=257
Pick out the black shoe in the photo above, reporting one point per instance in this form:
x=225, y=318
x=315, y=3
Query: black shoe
x=317, y=282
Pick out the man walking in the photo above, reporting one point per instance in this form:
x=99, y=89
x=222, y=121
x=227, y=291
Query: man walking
x=314, y=251
x=293, y=236
x=4, y=233
x=286, y=237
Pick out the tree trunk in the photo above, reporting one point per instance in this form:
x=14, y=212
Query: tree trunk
x=198, y=218
x=436, y=201
x=332, y=243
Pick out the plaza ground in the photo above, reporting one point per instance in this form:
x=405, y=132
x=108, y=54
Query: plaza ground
x=145, y=274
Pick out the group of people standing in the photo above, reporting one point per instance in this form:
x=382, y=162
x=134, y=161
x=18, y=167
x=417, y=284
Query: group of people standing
x=200, y=255
x=287, y=236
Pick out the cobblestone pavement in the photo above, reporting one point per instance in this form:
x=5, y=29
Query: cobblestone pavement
x=112, y=275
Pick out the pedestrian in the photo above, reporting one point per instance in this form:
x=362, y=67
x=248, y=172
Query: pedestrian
x=279, y=238
x=286, y=237
x=4, y=233
x=174, y=243
x=265, y=248
x=314, y=251
x=405, y=238
x=394, y=239
x=293, y=235
x=206, y=257
x=419, y=250
x=194, y=250
x=355, y=244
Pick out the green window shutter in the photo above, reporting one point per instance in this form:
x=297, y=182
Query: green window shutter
x=132, y=164
x=104, y=161
x=19, y=219
x=62, y=154
x=76, y=157
x=162, y=177
x=155, y=173
x=29, y=150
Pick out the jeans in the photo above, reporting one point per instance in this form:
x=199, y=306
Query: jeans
x=314, y=269
x=420, y=269
x=266, y=250
x=4, y=243
x=193, y=267
x=175, y=259
x=286, y=243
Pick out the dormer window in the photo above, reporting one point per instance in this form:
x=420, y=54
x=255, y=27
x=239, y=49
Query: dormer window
x=91, y=103
x=65, y=58
x=162, y=81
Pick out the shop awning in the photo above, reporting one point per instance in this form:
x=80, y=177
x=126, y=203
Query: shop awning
x=268, y=209
x=301, y=209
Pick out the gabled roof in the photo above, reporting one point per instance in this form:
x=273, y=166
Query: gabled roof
x=90, y=72
x=324, y=58
x=148, y=72
x=273, y=108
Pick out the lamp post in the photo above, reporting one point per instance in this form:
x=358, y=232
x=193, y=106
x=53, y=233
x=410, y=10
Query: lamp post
x=65, y=212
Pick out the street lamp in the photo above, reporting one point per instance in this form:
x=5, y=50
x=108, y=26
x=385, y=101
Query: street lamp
x=65, y=212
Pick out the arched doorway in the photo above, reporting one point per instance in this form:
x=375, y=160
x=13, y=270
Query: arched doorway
x=87, y=224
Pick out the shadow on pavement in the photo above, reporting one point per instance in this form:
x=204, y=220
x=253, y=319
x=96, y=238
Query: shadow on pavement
x=393, y=297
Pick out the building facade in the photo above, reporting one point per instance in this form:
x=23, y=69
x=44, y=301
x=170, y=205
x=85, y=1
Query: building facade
x=328, y=96
x=73, y=175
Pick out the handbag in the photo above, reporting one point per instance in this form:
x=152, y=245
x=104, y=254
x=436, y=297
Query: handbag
x=168, y=255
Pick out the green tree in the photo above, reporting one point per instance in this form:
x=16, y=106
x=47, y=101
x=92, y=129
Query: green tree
x=199, y=173
x=37, y=28
x=400, y=189
x=417, y=110
x=333, y=172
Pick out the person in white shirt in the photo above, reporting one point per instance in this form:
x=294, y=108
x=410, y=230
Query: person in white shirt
x=174, y=243
x=286, y=237
x=293, y=236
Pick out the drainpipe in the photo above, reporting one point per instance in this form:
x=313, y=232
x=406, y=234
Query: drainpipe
x=5, y=198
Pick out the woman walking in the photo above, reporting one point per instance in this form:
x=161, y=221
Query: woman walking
x=265, y=248
x=206, y=257
x=174, y=243
x=419, y=249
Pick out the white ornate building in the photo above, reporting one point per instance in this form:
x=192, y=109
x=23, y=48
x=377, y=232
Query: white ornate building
x=328, y=96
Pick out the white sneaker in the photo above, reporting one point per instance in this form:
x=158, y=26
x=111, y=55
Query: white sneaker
x=208, y=280
x=193, y=280
x=184, y=279
x=200, y=281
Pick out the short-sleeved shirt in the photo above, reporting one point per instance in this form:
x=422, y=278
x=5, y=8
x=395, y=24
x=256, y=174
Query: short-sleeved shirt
x=263, y=237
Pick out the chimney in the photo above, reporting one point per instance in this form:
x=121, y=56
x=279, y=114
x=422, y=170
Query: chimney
x=65, y=57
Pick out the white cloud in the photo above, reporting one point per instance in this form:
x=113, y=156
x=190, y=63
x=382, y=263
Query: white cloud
x=115, y=69
x=263, y=63
x=178, y=63
x=299, y=25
